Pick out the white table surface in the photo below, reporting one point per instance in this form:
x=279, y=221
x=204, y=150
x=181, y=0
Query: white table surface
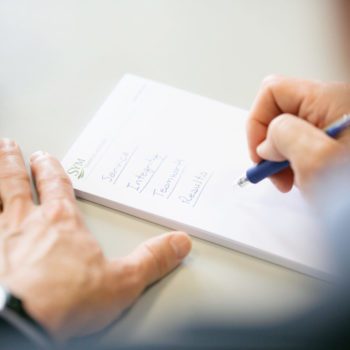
x=60, y=59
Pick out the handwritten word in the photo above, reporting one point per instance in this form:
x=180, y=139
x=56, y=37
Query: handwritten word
x=114, y=173
x=144, y=176
x=197, y=184
x=167, y=187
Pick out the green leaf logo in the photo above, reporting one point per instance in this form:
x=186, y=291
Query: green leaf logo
x=77, y=170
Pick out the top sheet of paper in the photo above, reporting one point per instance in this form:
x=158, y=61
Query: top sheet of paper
x=173, y=158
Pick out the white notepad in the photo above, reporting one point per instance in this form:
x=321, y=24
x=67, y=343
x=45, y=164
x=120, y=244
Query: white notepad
x=172, y=157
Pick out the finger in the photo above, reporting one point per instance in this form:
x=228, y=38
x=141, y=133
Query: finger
x=306, y=147
x=277, y=95
x=14, y=180
x=267, y=150
x=284, y=180
x=158, y=256
x=51, y=180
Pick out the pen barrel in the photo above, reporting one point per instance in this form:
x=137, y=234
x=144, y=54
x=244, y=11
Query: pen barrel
x=265, y=169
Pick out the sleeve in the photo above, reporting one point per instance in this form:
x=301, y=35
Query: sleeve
x=11, y=338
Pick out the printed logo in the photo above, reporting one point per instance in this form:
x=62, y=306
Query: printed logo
x=77, y=169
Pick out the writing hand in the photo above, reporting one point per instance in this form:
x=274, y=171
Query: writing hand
x=50, y=259
x=286, y=121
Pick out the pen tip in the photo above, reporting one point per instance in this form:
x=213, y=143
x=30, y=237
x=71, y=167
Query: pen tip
x=243, y=181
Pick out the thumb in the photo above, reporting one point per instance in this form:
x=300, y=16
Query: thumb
x=158, y=256
x=306, y=147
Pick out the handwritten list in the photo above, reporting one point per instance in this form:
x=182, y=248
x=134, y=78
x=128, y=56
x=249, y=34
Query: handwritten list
x=157, y=174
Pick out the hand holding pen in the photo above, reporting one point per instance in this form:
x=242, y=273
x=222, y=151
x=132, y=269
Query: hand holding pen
x=286, y=123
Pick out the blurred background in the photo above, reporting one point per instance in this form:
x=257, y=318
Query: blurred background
x=68, y=55
x=60, y=59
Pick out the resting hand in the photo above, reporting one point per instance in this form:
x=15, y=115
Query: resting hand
x=285, y=124
x=50, y=259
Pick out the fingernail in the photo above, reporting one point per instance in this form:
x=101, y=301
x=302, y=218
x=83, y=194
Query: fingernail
x=181, y=244
x=261, y=149
x=36, y=155
x=7, y=144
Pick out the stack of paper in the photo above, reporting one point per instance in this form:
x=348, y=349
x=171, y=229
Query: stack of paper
x=173, y=158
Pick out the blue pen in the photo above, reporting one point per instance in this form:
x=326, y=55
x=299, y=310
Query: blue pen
x=267, y=168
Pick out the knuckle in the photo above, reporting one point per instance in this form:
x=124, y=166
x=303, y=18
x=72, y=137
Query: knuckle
x=130, y=276
x=18, y=196
x=54, y=178
x=133, y=267
x=272, y=80
x=133, y=270
x=60, y=209
x=275, y=85
x=279, y=123
x=54, y=210
x=155, y=259
x=15, y=173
